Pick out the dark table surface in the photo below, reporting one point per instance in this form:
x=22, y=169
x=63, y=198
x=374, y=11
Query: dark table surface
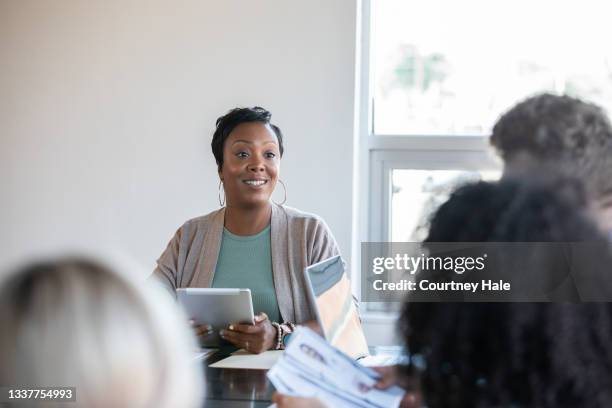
x=230, y=387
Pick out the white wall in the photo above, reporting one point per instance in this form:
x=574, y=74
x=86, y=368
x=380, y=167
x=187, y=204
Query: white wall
x=108, y=108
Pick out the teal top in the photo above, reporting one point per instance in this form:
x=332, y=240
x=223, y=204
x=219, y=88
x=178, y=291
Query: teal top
x=246, y=262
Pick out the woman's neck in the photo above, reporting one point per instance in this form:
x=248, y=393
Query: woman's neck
x=247, y=221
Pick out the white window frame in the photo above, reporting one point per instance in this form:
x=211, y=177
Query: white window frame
x=377, y=155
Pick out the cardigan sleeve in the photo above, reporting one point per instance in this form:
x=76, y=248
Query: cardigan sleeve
x=323, y=245
x=167, y=265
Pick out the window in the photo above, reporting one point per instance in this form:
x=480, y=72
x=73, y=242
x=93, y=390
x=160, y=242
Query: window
x=450, y=68
x=435, y=76
x=416, y=194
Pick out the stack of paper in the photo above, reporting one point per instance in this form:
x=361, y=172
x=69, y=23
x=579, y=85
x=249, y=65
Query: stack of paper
x=311, y=367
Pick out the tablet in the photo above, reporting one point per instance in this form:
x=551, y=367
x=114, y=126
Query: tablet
x=330, y=292
x=217, y=307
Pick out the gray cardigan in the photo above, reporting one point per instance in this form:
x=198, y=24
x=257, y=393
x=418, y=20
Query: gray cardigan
x=298, y=240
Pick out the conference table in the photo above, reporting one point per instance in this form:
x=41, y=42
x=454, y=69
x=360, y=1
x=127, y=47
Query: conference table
x=242, y=388
x=231, y=387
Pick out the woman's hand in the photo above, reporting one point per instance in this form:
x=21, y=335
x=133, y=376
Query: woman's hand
x=390, y=375
x=201, y=330
x=285, y=401
x=255, y=338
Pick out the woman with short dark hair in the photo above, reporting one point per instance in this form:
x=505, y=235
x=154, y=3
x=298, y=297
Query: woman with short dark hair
x=251, y=242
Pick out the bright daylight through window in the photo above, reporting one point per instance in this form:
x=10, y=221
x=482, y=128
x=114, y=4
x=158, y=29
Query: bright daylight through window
x=437, y=74
x=445, y=67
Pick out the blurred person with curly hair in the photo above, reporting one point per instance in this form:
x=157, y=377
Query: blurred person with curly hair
x=508, y=353
x=549, y=133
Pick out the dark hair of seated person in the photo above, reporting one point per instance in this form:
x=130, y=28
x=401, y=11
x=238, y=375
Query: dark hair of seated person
x=546, y=209
x=552, y=127
x=511, y=354
x=237, y=116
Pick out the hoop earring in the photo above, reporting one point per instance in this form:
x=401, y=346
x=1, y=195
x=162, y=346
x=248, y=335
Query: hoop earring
x=221, y=203
x=285, y=190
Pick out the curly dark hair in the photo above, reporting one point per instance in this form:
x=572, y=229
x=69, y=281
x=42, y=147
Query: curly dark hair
x=226, y=123
x=596, y=174
x=549, y=209
x=512, y=354
x=551, y=127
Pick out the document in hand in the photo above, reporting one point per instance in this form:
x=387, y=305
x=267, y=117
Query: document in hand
x=311, y=367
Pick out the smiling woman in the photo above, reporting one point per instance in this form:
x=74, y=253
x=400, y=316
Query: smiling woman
x=250, y=172
x=251, y=242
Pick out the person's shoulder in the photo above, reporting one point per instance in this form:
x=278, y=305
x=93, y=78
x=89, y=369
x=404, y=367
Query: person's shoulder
x=314, y=229
x=294, y=215
x=201, y=222
x=313, y=224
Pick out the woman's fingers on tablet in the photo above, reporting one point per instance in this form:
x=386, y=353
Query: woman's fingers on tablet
x=260, y=317
x=204, y=330
x=201, y=329
x=256, y=338
x=237, y=338
x=244, y=328
x=254, y=343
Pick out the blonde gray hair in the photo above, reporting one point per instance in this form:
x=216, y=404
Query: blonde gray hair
x=75, y=322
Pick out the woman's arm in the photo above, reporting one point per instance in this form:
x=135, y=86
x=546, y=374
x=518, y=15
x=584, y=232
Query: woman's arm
x=322, y=243
x=166, y=271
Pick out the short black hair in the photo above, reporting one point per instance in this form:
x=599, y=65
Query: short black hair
x=226, y=123
x=551, y=127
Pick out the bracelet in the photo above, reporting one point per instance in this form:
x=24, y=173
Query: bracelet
x=288, y=328
x=282, y=330
x=279, y=336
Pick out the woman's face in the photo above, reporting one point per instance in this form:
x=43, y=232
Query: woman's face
x=251, y=163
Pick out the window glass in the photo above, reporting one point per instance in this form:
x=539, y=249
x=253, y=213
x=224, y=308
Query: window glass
x=443, y=67
x=417, y=194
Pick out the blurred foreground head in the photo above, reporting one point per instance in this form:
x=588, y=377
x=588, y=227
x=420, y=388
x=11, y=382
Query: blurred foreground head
x=551, y=128
x=513, y=354
x=548, y=134
x=545, y=209
x=74, y=322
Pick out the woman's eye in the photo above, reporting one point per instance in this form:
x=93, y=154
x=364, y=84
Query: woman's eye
x=270, y=155
x=242, y=155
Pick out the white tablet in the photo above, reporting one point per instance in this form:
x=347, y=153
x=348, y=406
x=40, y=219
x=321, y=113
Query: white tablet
x=217, y=307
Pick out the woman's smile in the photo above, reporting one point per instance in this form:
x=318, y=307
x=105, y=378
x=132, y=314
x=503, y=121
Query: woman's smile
x=255, y=183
